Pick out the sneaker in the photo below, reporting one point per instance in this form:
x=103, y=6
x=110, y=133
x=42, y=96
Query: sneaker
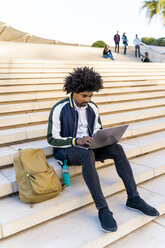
x=108, y=223
x=139, y=204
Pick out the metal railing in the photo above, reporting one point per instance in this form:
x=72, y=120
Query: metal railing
x=155, y=50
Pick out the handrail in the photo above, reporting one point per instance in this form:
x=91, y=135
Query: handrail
x=151, y=48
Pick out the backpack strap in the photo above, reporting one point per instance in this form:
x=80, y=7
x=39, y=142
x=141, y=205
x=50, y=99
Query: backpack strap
x=63, y=186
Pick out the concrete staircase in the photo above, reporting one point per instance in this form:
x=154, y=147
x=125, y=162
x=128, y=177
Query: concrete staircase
x=133, y=93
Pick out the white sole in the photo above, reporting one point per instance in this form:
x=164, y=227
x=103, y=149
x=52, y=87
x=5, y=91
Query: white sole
x=107, y=230
x=137, y=210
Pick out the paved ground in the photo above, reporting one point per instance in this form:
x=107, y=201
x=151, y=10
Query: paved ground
x=16, y=50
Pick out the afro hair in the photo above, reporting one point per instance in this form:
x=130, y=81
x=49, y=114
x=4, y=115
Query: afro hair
x=83, y=79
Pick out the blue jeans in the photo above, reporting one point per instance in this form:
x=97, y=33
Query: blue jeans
x=109, y=56
x=117, y=46
x=87, y=158
x=137, y=50
x=125, y=48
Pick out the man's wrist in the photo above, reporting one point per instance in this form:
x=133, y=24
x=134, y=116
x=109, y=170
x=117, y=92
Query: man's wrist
x=74, y=142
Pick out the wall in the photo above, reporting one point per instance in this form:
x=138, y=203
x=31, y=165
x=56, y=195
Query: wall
x=154, y=53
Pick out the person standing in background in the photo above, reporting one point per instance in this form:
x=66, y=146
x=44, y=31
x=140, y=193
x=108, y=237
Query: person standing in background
x=125, y=42
x=117, y=40
x=136, y=42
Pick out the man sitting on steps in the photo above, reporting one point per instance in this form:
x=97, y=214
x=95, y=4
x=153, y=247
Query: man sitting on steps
x=72, y=122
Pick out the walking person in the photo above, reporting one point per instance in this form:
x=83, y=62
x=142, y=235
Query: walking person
x=125, y=42
x=136, y=42
x=117, y=41
x=72, y=123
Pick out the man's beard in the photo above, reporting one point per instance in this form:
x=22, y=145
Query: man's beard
x=83, y=104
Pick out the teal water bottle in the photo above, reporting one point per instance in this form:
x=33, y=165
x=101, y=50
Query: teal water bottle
x=65, y=174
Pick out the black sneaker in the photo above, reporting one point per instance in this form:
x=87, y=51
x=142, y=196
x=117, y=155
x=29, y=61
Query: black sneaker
x=108, y=223
x=139, y=204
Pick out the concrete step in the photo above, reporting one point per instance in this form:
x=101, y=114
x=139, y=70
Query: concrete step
x=59, y=84
x=7, y=152
x=33, y=63
x=132, y=116
x=153, y=161
x=6, y=121
x=109, y=106
x=33, y=81
x=107, y=119
x=151, y=235
x=65, y=65
x=37, y=63
x=14, y=72
x=40, y=81
x=136, y=76
x=14, y=89
x=62, y=75
x=41, y=66
x=37, y=96
x=24, y=217
x=31, y=96
x=59, y=89
x=27, y=133
x=8, y=184
x=39, y=69
x=21, y=217
x=37, y=93
x=146, y=144
x=11, y=88
x=32, y=75
x=133, y=147
x=126, y=106
x=23, y=133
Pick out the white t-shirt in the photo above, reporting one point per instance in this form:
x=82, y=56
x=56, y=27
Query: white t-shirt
x=82, y=129
x=136, y=41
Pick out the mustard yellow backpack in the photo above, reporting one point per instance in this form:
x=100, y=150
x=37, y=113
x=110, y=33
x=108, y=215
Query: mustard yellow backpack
x=37, y=180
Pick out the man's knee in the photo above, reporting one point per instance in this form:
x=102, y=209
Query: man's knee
x=116, y=149
x=87, y=154
x=88, y=160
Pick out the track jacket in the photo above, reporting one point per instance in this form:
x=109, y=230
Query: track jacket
x=63, y=123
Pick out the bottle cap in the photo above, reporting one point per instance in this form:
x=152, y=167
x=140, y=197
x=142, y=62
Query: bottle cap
x=65, y=167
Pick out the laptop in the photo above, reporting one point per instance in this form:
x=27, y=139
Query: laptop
x=107, y=136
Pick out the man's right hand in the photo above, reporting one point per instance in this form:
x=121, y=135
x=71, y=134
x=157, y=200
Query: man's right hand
x=85, y=141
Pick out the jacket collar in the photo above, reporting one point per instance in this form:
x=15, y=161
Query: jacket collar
x=71, y=100
x=72, y=103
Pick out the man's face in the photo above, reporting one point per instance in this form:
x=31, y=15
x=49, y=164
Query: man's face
x=81, y=99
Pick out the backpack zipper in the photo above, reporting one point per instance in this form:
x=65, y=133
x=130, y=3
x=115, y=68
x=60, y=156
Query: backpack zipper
x=36, y=172
x=29, y=175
